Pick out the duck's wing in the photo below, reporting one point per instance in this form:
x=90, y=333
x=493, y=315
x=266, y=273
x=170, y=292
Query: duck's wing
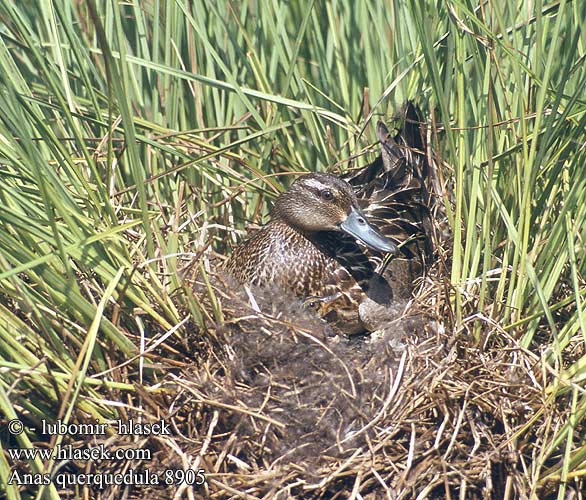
x=394, y=189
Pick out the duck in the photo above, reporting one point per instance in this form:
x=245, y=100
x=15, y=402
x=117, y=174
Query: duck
x=340, y=242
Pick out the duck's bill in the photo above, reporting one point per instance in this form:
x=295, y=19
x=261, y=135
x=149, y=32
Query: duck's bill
x=357, y=226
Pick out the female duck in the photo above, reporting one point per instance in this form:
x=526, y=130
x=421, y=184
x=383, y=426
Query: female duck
x=325, y=248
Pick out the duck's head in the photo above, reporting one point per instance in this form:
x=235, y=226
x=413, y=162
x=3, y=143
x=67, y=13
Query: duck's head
x=324, y=202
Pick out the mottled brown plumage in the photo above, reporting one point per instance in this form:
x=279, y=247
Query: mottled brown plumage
x=328, y=236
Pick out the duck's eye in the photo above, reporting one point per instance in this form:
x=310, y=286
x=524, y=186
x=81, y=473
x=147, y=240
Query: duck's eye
x=327, y=195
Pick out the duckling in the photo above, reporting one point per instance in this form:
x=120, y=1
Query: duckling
x=330, y=239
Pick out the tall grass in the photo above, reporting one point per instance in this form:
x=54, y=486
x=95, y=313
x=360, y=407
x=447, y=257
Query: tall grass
x=118, y=118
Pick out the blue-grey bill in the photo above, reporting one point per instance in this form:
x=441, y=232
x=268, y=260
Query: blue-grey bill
x=356, y=225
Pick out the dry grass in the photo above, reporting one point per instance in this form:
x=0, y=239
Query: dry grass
x=271, y=405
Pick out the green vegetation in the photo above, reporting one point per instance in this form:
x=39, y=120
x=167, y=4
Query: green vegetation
x=133, y=133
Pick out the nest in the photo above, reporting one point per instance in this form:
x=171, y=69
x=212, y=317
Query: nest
x=276, y=407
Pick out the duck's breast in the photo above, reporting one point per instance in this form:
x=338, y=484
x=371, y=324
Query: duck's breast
x=279, y=255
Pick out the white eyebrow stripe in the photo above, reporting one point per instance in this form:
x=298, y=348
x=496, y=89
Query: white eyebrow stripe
x=315, y=184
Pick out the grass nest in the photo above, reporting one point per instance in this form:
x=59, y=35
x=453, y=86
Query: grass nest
x=272, y=405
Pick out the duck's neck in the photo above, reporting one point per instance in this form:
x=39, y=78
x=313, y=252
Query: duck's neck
x=324, y=241
x=280, y=224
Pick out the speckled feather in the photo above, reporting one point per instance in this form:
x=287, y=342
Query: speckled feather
x=328, y=268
